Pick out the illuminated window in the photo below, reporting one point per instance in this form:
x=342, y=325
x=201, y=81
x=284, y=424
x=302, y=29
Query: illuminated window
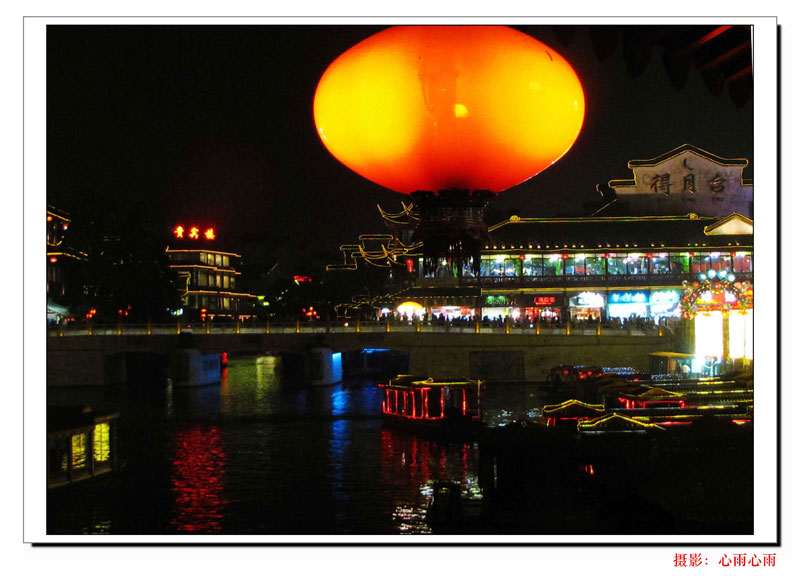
x=225, y=281
x=226, y=261
x=233, y=282
x=659, y=264
x=595, y=265
x=637, y=264
x=219, y=281
x=743, y=262
x=466, y=268
x=532, y=265
x=616, y=264
x=202, y=278
x=102, y=442
x=700, y=263
x=719, y=261
x=78, y=451
x=512, y=266
x=679, y=263
x=552, y=265
x=226, y=303
x=203, y=257
x=575, y=265
x=218, y=259
x=489, y=267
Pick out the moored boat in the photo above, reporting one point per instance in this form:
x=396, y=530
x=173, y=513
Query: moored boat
x=434, y=405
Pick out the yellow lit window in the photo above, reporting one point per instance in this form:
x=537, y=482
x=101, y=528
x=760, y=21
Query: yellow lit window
x=102, y=442
x=78, y=451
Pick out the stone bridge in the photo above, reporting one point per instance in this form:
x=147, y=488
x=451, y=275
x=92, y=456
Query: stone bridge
x=85, y=360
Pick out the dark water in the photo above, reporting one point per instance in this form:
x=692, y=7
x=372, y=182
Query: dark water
x=257, y=455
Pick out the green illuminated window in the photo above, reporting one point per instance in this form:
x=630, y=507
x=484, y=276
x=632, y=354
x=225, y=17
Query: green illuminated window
x=552, y=265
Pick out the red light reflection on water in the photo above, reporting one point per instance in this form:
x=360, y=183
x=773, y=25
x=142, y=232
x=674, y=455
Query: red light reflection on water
x=197, y=480
x=410, y=465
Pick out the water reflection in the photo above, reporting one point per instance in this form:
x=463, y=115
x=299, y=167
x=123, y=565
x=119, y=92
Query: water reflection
x=250, y=386
x=198, y=470
x=410, y=466
x=261, y=454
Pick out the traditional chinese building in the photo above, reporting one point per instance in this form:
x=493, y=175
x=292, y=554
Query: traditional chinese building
x=208, y=279
x=682, y=181
x=63, y=263
x=682, y=215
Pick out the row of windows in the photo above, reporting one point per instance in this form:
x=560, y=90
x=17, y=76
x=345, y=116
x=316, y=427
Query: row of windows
x=615, y=264
x=210, y=302
x=215, y=259
x=207, y=278
x=219, y=260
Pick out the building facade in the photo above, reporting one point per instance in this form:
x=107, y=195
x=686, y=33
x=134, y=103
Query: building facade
x=63, y=266
x=676, y=221
x=207, y=277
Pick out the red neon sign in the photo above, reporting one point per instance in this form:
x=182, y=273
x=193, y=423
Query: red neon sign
x=544, y=300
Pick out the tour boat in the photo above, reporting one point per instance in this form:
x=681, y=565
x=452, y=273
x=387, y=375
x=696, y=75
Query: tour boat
x=81, y=444
x=421, y=403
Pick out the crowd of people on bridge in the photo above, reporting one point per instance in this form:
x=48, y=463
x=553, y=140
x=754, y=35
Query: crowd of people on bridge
x=633, y=322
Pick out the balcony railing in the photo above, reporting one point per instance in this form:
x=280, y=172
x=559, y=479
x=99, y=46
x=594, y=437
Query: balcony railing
x=350, y=327
x=565, y=281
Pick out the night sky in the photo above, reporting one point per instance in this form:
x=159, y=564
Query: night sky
x=214, y=124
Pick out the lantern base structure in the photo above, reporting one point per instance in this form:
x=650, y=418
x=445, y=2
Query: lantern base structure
x=452, y=229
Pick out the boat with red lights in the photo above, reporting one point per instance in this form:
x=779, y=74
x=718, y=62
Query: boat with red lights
x=432, y=405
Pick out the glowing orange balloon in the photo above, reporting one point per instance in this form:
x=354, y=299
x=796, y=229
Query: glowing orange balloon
x=436, y=107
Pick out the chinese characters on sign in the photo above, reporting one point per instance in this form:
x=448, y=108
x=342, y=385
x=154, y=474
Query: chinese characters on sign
x=660, y=184
x=193, y=233
x=717, y=186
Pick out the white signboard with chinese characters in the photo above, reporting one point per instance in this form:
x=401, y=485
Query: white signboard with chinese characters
x=686, y=180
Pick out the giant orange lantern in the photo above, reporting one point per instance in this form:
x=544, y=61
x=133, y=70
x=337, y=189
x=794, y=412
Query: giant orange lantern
x=449, y=107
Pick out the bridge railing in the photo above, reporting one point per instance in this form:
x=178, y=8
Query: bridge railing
x=133, y=329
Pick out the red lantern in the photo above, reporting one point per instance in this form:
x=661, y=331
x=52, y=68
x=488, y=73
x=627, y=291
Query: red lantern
x=436, y=107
